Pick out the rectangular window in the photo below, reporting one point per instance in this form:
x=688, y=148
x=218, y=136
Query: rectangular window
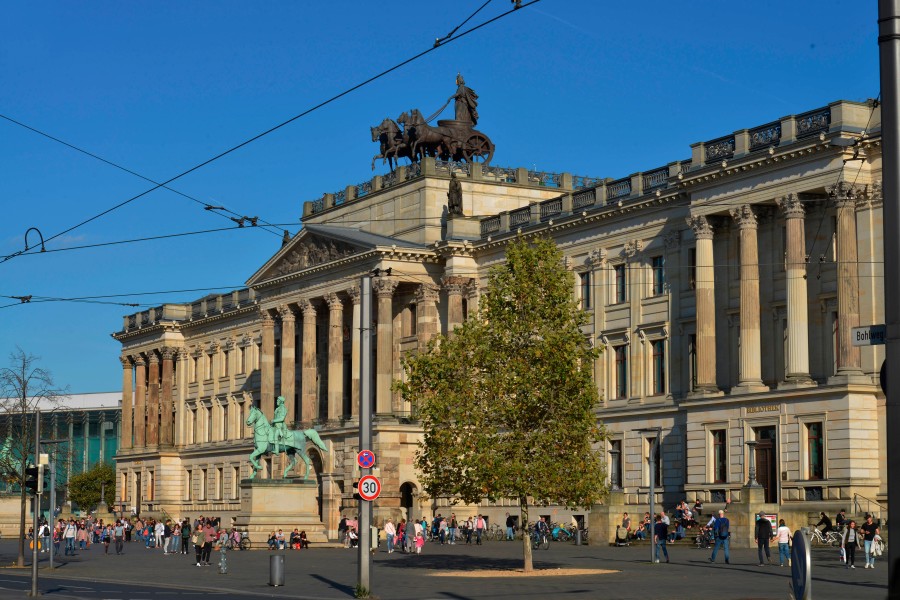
x=692, y=268
x=226, y=357
x=225, y=422
x=659, y=275
x=621, y=371
x=413, y=318
x=719, y=456
x=187, y=485
x=235, y=477
x=659, y=367
x=195, y=368
x=150, y=486
x=814, y=451
x=209, y=424
x=585, y=285
x=220, y=483
x=124, y=489
x=277, y=353
x=240, y=421
x=242, y=357
x=620, y=283
x=203, y=481
x=209, y=366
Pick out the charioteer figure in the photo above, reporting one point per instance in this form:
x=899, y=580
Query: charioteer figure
x=466, y=102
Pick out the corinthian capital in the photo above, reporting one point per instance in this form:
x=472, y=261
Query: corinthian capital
x=266, y=317
x=354, y=294
x=126, y=362
x=334, y=301
x=285, y=312
x=791, y=206
x=384, y=286
x=846, y=194
x=744, y=216
x=700, y=224
x=455, y=284
x=307, y=308
x=167, y=352
x=427, y=292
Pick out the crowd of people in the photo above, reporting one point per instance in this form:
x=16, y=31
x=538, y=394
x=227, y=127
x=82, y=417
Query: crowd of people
x=411, y=536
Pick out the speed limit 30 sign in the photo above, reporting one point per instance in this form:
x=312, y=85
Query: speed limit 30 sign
x=369, y=488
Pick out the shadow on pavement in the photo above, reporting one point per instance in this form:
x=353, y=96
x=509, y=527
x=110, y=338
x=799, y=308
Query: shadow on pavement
x=445, y=562
x=341, y=587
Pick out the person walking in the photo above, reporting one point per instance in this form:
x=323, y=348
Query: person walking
x=783, y=535
x=869, y=530
x=390, y=532
x=119, y=536
x=209, y=533
x=850, y=541
x=199, y=540
x=185, y=536
x=721, y=532
x=452, y=528
x=763, y=535
x=69, y=536
x=660, y=535
x=479, y=529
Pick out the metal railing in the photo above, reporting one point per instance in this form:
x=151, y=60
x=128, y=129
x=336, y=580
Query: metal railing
x=869, y=502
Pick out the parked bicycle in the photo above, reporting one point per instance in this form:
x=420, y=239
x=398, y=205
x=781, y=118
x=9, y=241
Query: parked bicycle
x=243, y=544
x=832, y=538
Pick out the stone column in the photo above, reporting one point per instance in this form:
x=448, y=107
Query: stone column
x=845, y=197
x=335, y=357
x=455, y=287
x=288, y=360
x=267, y=365
x=706, y=306
x=384, y=289
x=427, y=323
x=750, y=368
x=166, y=429
x=153, y=401
x=181, y=375
x=125, y=441
x=472, y=296
x=308, y=406
x=140, y=410
x=797, y=364
x=354, y=293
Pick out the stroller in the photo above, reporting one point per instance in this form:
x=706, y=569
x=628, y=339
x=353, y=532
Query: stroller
x=622, y=536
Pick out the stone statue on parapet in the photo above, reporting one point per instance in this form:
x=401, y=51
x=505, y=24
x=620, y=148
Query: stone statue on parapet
x=276, y=438
x=454, y=196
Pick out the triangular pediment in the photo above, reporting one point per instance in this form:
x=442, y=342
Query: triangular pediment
x=317, y=245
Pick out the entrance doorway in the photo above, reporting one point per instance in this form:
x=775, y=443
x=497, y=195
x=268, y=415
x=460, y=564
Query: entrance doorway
x=767, y=462
x=406, y=500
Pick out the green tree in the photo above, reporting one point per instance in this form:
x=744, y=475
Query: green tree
x=85, y=488
x=506, y=401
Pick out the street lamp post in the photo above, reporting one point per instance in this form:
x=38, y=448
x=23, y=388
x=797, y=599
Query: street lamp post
x=652, y=491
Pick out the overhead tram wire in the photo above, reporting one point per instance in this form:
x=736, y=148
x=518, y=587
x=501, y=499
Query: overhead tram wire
x=278, y=126
x=207, y=206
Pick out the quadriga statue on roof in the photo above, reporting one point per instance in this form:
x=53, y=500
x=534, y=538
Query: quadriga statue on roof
x=451, y=140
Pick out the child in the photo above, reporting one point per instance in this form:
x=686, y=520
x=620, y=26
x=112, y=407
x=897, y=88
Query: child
x=420, y=541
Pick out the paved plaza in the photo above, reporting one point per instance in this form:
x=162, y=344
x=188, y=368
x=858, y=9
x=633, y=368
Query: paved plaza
x=326, y=573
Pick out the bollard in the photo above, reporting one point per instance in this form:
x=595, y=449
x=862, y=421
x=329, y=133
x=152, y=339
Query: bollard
x=276, y=570
x=223, y=561
x=578, y=536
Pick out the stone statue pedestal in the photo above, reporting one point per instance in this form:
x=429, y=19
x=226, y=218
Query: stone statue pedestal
x=103, y=512
x=271, y=504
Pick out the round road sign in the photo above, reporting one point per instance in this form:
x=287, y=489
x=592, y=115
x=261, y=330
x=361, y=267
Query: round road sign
x=365, y=459
x=369, y=487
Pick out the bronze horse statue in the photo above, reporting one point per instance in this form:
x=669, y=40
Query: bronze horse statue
x=394, y=143
x=427, y=140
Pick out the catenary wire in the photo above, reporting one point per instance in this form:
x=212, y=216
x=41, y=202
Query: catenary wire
x=214, y=210
x=277, y=127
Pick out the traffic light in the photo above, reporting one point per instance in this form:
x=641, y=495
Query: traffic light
x=356, y=490
x=34, y=478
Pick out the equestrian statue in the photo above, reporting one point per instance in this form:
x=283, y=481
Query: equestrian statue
x=276, y=438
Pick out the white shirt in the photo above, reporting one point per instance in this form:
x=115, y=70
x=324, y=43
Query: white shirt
x=783, y=534
x=389, y=529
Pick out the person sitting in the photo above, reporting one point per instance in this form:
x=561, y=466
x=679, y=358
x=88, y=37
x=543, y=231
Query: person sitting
x=294, y=540
x=354, y=537
x=840, y=519
x=273, y=541
x=304, y=542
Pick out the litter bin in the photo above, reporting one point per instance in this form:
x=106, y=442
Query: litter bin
x=276, y=569
x=578, y=537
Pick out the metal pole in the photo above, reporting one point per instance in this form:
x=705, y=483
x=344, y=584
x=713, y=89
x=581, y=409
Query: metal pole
x=889, y=55
x=37, y=505
x=365, y=426
x=52, y=505
x=650, y=533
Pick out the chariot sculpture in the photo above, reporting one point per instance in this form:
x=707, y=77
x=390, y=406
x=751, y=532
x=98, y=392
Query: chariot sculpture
x=411, y=135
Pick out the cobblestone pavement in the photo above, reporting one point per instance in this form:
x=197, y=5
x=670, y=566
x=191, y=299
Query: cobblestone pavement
x=331, y=573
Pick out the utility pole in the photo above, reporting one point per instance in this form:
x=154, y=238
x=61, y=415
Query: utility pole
x=52, y=467
x=365, y=426
x=37, y=505
x=652, y=460
x=889, y=55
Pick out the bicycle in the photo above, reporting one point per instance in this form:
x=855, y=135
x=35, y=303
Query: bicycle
x=540, y=540
x=244, y=544
x=832, y=538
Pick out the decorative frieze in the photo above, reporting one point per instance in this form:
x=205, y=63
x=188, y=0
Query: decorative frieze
x=311, y=253
x=632, y=248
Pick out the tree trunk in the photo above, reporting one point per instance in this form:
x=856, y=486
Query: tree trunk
x=526, y=537
x=20, y=561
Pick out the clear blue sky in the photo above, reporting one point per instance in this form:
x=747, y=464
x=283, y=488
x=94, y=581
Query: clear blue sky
x=583, y=86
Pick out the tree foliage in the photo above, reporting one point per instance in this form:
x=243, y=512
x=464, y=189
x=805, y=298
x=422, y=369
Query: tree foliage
x=24, y=387
x=85, y=488
x=506, y=401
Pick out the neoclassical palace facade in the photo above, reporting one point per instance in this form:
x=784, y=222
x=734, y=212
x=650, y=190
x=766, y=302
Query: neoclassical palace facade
x=722, y=289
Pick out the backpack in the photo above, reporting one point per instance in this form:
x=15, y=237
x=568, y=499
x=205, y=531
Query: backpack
x=722, y=526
